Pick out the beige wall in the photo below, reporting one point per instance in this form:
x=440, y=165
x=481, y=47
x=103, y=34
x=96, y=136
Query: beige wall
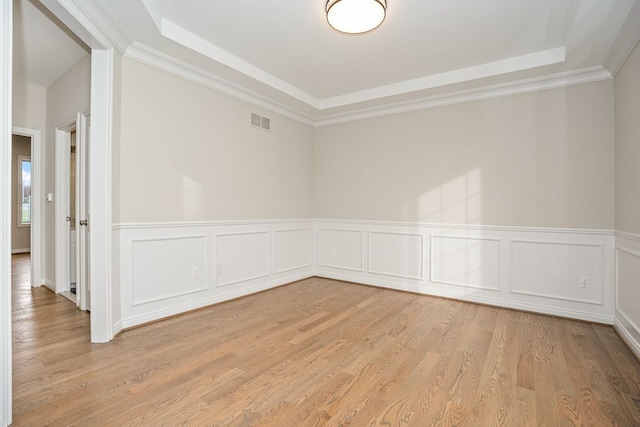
x=542, y=159
x=29, y=106
x=627, y=131
x=66, y=97
x=188, y=153
x=20, y=236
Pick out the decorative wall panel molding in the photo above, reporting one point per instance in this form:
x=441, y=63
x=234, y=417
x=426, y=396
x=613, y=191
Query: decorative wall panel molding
x=169, y=268
x=557, y=270
x=561, y=272
x=534, y=269
x=466, y=261
x=396, y=254
x=291, y=249
x=627, y=314
x=241, y=257
x=340, y=249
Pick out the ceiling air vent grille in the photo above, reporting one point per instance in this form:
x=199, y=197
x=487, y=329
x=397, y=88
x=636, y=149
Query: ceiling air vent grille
x=260, y=121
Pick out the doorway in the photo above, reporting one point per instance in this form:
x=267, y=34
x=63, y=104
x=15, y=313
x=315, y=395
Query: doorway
x=28, y=218
x=71, y=211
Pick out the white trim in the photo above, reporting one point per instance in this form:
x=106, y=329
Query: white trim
x=37, y=198
x=49, y=285
x=497, y=288
x=19, y=204
x=628, y=37
x=160, y=314
x=628, y=339
x=465, y=226
x=61, y=209
x=412, y=225
x=558, y=243
x=536, y=84
x=395, y=233
x=495, y=302
x=135, y=303
x=184, y=37
x=161, y=61
x=21, y=251
x=630, y=236
x=6, y=47
x=496, y=68
x=100, y=195
x=222, y=223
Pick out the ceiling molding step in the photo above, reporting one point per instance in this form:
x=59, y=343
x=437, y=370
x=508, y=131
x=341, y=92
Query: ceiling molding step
x=505, y=66
x=576, y=77
x=169, y=64
x=186, y=38
x=625, y=42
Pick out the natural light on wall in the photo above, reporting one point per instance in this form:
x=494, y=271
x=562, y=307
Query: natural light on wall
x=193, y=196
x=355, y=16
x=457, y=201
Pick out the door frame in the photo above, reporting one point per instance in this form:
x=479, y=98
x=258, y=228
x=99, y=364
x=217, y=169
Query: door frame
x=63, y=197
x=6, y=49
x=102, y=105
x=37, y=186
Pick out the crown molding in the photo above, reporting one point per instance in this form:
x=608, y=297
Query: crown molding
x=553, y=81
x=625, y=42
x=496, y=68
x=164, y=62
x=146, y=55
x=92, y=22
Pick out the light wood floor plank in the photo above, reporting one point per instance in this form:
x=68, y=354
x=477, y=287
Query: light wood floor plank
x=319, y=353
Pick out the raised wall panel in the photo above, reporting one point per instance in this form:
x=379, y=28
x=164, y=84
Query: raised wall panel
x=629, y=286
x=396, y=254
x=163, y=268
x=340, y=249
x=555, y=269
x=241, y=257
x=466, y=261
x=292, y=249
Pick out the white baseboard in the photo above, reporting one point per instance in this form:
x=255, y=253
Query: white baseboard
x=203, y=303
x=495, y=302
x=624, y=330
x=49, y=285
x=20, y=251
x=627, y=314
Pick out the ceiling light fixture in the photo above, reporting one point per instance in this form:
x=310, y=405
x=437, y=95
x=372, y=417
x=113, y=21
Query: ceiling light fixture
x=356, y=16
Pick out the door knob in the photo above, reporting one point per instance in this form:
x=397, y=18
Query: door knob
x=83, y=222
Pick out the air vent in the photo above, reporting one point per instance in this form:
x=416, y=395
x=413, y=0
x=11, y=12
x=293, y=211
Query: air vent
x=260, y=122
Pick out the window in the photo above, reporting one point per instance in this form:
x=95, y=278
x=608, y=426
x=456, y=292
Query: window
x=24, y=191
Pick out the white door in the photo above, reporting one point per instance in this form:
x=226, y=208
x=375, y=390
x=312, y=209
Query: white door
x=83, y=288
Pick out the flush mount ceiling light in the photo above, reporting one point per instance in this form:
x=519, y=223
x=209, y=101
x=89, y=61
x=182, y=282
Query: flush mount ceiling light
x=356, y=16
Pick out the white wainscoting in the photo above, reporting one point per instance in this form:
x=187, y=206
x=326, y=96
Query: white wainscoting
x=170, y=268
x=166, y=269
x=539, y=270
x=627, y=314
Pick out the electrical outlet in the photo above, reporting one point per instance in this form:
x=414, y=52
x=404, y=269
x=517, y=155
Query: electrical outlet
x=195, y=273
x=584, y=282
x=219, y=269
x=333, y=253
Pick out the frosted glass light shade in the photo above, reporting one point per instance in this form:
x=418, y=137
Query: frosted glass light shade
x=356, y=16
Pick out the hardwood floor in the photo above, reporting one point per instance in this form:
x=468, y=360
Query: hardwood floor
x=320, y=353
